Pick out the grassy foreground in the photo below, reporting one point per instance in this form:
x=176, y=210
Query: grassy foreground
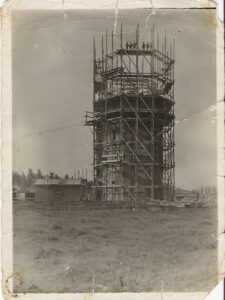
x=62, y=248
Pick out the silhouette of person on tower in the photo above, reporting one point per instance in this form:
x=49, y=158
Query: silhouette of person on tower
x=143, y=46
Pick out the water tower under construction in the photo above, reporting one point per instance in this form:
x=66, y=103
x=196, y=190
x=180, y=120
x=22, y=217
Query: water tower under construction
x=133, y=119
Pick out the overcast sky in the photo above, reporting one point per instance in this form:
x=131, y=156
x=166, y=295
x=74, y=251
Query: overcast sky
x=52, y=88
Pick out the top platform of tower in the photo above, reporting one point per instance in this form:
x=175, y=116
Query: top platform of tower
x=139, y=51
x=155, y=45
x=133, y=66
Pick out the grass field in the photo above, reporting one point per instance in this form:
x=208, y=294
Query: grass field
x=62, y=248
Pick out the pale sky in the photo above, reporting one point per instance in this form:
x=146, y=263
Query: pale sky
x=52, y=88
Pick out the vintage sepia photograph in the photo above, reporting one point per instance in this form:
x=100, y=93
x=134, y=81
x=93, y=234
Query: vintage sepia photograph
x=114, y=150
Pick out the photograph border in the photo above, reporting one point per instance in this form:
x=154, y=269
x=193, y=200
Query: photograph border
x=6, y=138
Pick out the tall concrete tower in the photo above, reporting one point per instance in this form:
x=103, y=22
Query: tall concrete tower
x=133, y=120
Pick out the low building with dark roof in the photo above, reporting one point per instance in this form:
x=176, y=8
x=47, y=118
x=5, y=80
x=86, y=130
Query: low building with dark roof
x=73, y=189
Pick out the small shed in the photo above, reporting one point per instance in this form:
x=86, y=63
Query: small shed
x=19, y=194
x=73, y=189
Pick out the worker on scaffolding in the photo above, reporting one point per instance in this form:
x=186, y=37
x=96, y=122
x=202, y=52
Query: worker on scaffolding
x=127, y=45
x=130, y=45
x=143, y=46
x=134, y=45
x=147, y=46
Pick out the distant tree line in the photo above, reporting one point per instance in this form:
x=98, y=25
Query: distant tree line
x=206, y=191
x=26, y=181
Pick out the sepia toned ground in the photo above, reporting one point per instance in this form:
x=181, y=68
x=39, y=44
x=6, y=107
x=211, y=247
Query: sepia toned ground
x=63, y=248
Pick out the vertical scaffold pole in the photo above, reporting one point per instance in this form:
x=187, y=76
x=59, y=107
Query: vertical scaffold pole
x=137, y=99
x=153, y=121
x=94, y=126
x=106, y=50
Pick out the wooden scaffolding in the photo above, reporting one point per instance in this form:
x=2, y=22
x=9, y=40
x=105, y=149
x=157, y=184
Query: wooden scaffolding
x=133, y=121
